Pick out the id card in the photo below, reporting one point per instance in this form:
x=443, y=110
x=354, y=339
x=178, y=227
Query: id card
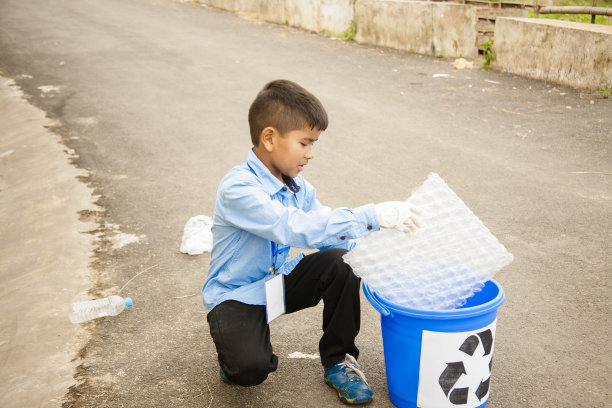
x=275, y=297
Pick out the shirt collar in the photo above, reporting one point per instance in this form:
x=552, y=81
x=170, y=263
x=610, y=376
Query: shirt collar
x=271, y=184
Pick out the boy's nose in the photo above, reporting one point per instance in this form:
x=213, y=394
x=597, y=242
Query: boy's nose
x=309, y=154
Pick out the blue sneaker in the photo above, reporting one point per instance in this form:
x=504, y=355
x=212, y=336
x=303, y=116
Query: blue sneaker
x=346, y=378
x=224, y=377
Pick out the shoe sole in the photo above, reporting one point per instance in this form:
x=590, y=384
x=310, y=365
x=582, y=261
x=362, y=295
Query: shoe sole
x=347, y=400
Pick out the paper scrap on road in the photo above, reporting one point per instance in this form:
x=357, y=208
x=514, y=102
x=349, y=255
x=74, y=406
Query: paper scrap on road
x=7, y=153
x=49, y=88
x=297, y=354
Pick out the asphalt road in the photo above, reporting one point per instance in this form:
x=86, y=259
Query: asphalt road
x=153, y=96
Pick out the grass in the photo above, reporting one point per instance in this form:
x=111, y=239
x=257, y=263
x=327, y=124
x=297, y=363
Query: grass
x=578, y=18
x=588, y=3
x=346, y=35
x=606, y=91
x=488, y=54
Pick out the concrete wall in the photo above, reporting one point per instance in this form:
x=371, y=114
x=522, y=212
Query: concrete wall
x=428, y=28
x=333, y=16
x=432, y=28
x=575, y=54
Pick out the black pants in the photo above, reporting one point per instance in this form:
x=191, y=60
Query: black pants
x=242, y=335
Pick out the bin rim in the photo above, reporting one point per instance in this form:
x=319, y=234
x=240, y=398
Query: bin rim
x=388, y=308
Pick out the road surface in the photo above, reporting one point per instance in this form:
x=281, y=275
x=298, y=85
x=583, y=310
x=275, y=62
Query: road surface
x=152, y=96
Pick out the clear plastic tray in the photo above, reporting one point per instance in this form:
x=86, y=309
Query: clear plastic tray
x=440, y=266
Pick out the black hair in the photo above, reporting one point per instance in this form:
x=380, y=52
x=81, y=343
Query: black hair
x=285, y=106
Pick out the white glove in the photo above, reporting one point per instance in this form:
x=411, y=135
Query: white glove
x=400, y=215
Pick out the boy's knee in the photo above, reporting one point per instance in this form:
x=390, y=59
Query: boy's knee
x=334, y=256
x=341, y=270
x=254, y=371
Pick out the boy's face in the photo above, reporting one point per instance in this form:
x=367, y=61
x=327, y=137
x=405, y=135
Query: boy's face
x=290, y=152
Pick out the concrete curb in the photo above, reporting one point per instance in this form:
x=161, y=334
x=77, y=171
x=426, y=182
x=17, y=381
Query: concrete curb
x=569, y=53
x=436, y=29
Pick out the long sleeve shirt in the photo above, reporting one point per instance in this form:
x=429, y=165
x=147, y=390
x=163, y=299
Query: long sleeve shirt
x=258, y=218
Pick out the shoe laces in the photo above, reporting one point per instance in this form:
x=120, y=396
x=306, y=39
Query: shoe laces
x=352, y=368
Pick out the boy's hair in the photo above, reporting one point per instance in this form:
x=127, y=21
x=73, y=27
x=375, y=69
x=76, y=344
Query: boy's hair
x=285, y=106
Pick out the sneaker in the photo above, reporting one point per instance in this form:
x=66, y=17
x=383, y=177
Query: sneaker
x=346, y=378
x=224, y=377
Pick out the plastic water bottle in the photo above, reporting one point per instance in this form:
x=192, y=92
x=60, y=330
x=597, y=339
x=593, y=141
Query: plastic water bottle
x=81, y=312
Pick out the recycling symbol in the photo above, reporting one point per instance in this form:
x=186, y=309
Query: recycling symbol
x=454, y=370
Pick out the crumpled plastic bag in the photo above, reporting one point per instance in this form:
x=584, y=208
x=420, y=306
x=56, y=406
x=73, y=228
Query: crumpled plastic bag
x=197, y=235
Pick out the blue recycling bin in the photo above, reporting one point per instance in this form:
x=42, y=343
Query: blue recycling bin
x=439, y=358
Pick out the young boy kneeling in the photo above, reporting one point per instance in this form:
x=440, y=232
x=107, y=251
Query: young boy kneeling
x=263, y=208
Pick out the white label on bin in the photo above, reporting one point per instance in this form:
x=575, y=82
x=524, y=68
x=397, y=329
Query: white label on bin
x=455, y=368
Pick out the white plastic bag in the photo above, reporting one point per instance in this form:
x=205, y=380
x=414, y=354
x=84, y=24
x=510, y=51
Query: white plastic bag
x=197, y=235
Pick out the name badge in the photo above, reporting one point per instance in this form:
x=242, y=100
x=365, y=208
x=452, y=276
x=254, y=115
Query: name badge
x=275, y=297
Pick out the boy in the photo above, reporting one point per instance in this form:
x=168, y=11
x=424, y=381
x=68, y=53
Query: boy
x=263, y=208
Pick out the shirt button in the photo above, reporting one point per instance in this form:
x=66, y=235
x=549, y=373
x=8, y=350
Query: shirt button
x=343, y=237
x=284, y=188
x=369, y=227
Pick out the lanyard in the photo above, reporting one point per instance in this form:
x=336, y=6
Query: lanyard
x=276, y=250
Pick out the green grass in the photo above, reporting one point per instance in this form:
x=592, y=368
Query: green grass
x=589, y=3
x=578, y=18
x=488, y=54
x=346, y=35
x=606, y=91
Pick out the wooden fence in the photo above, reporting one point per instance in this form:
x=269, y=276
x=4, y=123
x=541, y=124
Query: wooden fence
x=593, y=11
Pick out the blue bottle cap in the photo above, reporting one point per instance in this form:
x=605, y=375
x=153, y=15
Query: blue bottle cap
x=128, y=302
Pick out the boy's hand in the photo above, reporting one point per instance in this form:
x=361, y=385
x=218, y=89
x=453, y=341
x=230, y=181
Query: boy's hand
x=400, y=215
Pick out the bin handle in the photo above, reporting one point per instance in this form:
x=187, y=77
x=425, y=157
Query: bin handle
x=375, y=303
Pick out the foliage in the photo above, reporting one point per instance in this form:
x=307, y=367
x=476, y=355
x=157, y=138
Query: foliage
x=488, y=53
x=606, y=91
x=349, y=33
x=346, y=35
x=586, y=3
x=578, y=18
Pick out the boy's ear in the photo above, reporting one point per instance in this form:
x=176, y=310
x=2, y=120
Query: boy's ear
x=268, y=137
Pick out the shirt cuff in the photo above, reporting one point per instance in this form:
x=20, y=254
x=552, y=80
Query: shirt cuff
x=366, y=215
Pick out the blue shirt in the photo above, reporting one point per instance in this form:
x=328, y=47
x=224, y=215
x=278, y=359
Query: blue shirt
x=258, y=218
